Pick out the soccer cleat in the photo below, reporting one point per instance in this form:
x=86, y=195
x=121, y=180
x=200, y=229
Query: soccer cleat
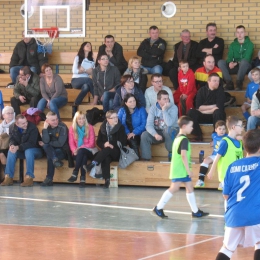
x=159, y=212
x=199, y=214
x=220, y=187
x=199, y=184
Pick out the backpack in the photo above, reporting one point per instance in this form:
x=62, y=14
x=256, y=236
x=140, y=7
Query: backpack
x=230, y=101
x=36, y=117
x=95, y=115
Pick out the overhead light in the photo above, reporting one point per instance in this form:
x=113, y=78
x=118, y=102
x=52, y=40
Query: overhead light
x=168, y=9
x=30, y=12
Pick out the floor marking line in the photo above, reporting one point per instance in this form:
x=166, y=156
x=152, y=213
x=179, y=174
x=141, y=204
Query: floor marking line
x=178, y=248
x=102, y=205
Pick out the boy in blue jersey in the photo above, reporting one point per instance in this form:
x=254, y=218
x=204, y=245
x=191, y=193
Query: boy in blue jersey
x=242, y=192
x=252, y=87
x=230, y=149
x=180, y=170
x=220, y=132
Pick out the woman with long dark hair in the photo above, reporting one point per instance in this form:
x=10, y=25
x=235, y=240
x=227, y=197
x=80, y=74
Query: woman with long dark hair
x=82, y=70
x=133, y=118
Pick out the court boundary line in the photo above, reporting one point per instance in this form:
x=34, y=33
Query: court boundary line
x=178, y=248
x=103, y=205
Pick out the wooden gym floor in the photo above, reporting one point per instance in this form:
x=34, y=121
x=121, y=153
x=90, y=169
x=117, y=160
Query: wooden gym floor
x=65, y=222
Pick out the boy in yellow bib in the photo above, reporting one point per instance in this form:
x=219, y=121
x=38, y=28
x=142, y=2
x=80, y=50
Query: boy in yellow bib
x=180, y=171
x=230, y=149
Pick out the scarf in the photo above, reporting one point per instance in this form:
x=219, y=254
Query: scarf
x=4, y=127
x=179, y=51
x=108, y=130
x=81, y=134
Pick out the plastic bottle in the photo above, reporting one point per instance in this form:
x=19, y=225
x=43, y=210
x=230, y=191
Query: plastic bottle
x=201, y=156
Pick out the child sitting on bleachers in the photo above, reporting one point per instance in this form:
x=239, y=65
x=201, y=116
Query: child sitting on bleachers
x=252, y=87
x=187, y=87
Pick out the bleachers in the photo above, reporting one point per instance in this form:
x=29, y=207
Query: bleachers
x=154, y=173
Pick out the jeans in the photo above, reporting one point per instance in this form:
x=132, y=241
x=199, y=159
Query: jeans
x=156, y=69
x=55, y=104
x=108, y=98
x=29, y=154
x=81, y=159
x=52, y=153
x=14, y=72
x=251, y=122
x=86, y=85
x=147, y=140
x=241, y=70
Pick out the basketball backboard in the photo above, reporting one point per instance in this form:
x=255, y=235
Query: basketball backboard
x=68, y=15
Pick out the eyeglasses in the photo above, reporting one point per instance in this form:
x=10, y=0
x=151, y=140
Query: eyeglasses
x=104, y=59
x=157, y=82
x=114, y=117
x=9, y=113
x=130, y=81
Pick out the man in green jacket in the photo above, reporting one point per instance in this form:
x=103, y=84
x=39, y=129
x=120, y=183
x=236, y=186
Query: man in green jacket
x=26, y=90
x=239, y=59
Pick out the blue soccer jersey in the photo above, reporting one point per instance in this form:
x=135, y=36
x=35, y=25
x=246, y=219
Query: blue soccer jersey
x=242, y=185
x=252, y=87
x=216, y=141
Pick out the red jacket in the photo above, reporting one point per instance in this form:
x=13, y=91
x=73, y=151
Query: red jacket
x=187, y=83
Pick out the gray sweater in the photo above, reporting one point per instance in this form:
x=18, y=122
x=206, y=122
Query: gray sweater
x=159, y=120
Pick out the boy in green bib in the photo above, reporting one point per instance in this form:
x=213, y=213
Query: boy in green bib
x=230, y=150
x=180, y=170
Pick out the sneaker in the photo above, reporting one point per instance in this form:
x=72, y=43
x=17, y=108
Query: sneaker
x=57, y=163
x=72, y=178
x=199, y=214
x=159, y=212
x=28, y=182
x=220, y=187
x=47, y=182
x=107, y=183
x=229, y=85
x=199, y=184
x=7, y=181
x=88, y=167
x=239, y=85
x=98, y=176
x=82, y=181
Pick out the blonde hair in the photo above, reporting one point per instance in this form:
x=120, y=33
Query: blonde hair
x=75, y=124
x=131, y=60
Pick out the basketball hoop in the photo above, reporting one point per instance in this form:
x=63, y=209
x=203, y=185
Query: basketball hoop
x=44, y=38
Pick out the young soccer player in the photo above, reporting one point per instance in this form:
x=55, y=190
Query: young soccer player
x=242, y=192
x=252, y=87
x=180, y=171
x=230, y=149
x=220, y=132
x=187, y=88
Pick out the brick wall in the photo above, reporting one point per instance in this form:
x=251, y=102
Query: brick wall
x=129, y=20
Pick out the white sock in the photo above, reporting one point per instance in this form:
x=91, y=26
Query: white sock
x=225, y=205
x=192, y=201
x=164, y=199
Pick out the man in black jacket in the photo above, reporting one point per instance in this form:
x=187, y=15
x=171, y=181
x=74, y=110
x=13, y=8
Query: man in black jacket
x=114, y=51
x=152, y=51
x=55, y=145
x=25, y=54
x=210, y=101
x=186, y=49
x=24, y=138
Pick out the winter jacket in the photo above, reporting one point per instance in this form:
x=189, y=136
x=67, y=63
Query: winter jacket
x=27, y=139
x=238, y=52
x=105, y=80
x=117, y=134
x=88, y=142
x=158, y=119
x=117, y=103
x=31, y=90
x=152, y=55
x=138, y=120
x=117, y=59
x=27, y=55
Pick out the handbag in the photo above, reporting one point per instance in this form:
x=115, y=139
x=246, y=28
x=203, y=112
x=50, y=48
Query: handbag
x=4, y=141
x=127, y=156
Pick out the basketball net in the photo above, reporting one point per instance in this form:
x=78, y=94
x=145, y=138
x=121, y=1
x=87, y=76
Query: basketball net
x=44, y=38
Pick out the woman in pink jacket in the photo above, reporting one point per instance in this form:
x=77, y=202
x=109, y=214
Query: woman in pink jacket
x=82, y=145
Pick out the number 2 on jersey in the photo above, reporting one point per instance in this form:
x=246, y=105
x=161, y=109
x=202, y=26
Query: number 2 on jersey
x=246, y=181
